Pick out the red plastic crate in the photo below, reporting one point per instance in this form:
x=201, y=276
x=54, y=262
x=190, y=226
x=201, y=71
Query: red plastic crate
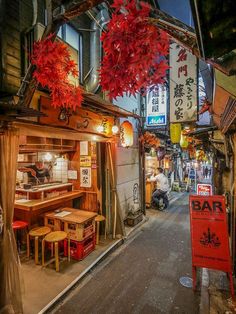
x=80, y=249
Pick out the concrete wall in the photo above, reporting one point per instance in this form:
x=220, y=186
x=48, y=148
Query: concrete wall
x=127, y=161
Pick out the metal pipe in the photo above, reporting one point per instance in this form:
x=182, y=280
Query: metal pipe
x=35, y=11
x=98, y=23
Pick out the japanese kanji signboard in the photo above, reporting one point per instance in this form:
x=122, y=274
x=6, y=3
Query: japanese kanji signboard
x=209, y=234
x=204, y=189
x=183, y=85
x=85, y=177
x=157, y=105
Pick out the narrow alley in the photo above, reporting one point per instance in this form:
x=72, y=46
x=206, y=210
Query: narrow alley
x=142, y=276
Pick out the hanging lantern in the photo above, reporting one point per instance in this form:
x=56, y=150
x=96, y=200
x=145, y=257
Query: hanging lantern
x=175, y=133
x=166, y=163
x=184, y=141
x=126, y=134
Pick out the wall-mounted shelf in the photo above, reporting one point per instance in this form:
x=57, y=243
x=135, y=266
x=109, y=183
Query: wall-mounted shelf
x=36, y=144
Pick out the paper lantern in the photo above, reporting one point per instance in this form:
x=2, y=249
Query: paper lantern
x=175, y=133
x=184, y=141
x=126, y=134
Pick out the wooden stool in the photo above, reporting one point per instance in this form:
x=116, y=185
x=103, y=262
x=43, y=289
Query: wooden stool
x=36, y=233
x=98, y=219
x=54, y=237
x=18, y=225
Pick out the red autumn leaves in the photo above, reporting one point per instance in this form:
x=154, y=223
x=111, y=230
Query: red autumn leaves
x=134, y=50
x=53, y=67
x=134, y=57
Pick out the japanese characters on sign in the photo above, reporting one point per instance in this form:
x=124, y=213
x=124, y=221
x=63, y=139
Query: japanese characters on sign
x=85, y=161
x=157, y=105
x=85, y=177
x=209, y=233
x=204, y=189
x=183, y=85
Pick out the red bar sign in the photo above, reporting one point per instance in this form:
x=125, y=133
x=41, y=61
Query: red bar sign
x=209, y=234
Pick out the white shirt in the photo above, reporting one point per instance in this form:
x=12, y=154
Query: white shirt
x=162, y=182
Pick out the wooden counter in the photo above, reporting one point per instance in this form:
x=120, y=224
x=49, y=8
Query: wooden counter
x=29, y=210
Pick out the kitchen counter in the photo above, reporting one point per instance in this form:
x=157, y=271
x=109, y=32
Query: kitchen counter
x=44, y=187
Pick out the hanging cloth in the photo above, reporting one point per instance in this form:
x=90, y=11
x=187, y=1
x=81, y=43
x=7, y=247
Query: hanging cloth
x=10, y=282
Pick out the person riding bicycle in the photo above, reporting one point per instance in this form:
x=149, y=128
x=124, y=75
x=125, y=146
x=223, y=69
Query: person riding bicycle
x=162, y=187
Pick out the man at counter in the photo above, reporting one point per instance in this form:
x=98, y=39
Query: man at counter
x=37, y=173
x=162, y=187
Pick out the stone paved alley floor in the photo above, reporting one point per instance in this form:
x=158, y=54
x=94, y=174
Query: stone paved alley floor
x=142, y=276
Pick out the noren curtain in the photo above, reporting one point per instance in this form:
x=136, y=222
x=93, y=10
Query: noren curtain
x=10, y=292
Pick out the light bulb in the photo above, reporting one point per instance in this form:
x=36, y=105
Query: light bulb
x=115, y=129
x=48, y=157
x=100, y=129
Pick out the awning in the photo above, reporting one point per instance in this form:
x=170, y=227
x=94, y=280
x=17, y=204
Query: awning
x=202, y=131
x=95, y=103
x=228, y=117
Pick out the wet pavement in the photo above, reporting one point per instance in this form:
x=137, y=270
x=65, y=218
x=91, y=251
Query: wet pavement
x=142, y=276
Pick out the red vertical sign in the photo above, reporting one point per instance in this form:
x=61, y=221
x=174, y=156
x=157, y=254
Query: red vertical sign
x=209, y=234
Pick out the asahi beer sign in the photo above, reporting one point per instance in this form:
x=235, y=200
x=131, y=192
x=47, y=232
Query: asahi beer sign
x=183, y=85
x=156, y=105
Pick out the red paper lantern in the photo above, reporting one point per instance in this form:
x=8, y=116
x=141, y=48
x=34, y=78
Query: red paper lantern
x=126, y=134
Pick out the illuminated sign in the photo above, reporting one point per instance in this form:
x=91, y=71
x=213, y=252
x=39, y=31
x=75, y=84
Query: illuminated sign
x=183, y=84
x=156, y=105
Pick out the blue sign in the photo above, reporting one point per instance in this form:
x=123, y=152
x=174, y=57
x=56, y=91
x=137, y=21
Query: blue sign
x=157, y=105
x=192, y=174
x=156, y=120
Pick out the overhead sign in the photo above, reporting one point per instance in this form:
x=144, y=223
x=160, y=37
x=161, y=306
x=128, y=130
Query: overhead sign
x=157, y=105
x=183, y=84
x=204, y=189
x=209, y=235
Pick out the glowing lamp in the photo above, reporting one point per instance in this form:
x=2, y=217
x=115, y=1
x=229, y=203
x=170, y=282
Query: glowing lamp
x=166, y=163
x=100, y=129
x=114, y=129
x=126, y=134
x=175, y=133
x=48, y=157
x=184, y=141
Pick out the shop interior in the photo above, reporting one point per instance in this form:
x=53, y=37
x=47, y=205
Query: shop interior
x=60, y=222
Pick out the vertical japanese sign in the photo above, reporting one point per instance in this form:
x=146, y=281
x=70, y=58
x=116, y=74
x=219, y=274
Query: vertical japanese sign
x=157, y=105
x=209, y=234
x=183, y=85
x=85, y=177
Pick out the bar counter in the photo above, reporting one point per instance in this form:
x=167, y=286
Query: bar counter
x=30, y=210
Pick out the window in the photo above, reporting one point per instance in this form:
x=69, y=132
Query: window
x=72, y=37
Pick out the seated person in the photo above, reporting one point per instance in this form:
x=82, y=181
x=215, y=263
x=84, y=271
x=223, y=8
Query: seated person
x=162, y=187
x=36, y=173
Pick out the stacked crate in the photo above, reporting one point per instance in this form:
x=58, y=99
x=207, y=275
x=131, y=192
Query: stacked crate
x=81, y=231
x=80, y=228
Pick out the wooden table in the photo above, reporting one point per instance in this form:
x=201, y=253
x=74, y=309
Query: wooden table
x=78, y=223
x=31, y=209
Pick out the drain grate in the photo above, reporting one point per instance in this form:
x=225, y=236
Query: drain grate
x=186, y=282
